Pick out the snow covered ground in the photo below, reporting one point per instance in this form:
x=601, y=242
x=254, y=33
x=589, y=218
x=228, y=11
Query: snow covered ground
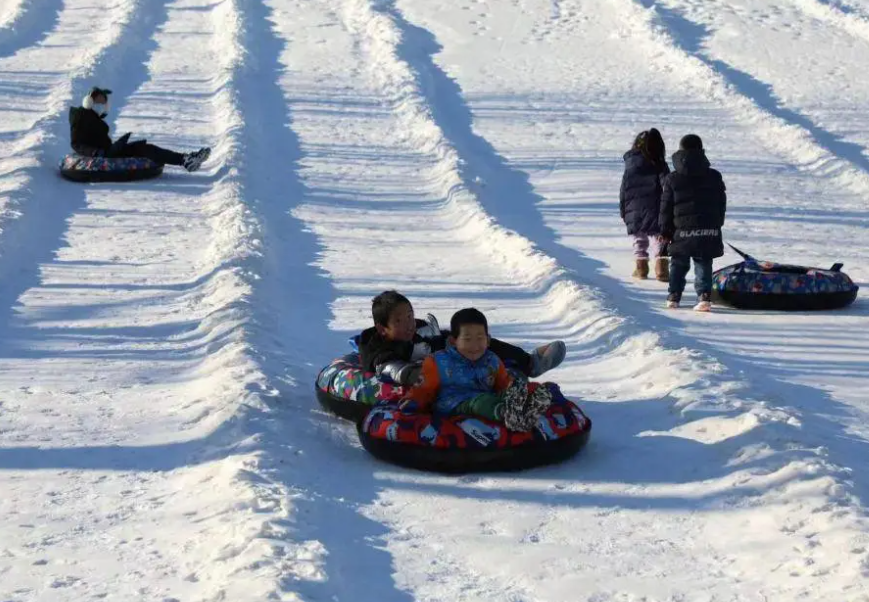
x=159, y=439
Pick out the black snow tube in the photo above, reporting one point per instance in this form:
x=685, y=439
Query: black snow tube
x=754, y=284
x=464, y=444
x=79, y=168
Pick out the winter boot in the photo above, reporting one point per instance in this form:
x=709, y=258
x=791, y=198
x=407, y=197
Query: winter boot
x=704, y=302
x=546, y=357
x=642, y=270
x=193, y=161
x=524, y=403
x=662, y=269
x=673, y=300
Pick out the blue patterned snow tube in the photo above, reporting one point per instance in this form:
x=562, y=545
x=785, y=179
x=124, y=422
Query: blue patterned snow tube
x=79, y=168
x=754, y=284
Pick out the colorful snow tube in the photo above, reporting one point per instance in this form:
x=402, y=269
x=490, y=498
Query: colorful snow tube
x=343, y=388
x=462, y=444
x=754, y=284
x=79, y=168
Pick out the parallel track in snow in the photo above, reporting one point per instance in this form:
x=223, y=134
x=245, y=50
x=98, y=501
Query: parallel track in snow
x=52, y=77
x=435, y=118
x=781, y=129
x=26, y=23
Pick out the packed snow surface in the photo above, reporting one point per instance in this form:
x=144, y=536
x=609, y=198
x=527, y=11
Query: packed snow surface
x=159, y=437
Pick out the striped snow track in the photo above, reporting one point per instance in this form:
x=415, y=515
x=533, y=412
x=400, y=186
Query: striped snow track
x=146, y=328
x=676, y=40
x=45, y=80
x=480, y=188
x=24, y=23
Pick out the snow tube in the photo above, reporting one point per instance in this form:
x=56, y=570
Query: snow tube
x=79, y=168
x=754, y=284
x=343, y=388
x=462, y=443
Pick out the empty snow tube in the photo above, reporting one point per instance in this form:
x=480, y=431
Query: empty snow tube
x=462, y=443
x=79, y=168
x=343, y=388
x=754, y=284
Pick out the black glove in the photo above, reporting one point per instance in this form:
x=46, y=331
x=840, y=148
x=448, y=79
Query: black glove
x=118, y=145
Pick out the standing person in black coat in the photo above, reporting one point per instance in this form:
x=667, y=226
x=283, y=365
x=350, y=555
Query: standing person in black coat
x=89, y=135
x=640, y=201
x=692, y=214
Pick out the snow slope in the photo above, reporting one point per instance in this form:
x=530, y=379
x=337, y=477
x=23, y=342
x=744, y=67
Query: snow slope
x=158, y=435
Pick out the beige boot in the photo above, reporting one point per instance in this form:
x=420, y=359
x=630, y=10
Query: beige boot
x=662, y=269
x=642, y=269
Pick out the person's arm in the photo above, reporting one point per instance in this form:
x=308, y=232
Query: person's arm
x=622, y=198
x=376, y=352
x=502, y=378
x=425, y=392
x=665, y=218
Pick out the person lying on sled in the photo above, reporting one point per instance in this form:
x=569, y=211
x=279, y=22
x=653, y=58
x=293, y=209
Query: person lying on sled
x=89, y=135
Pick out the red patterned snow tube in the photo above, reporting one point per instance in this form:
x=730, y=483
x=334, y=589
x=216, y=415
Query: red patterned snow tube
x=462, y=443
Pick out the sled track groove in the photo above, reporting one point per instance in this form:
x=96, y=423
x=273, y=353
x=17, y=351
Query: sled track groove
x=32, y=23
x=268, y=254
x=808, y=145
x=473, y=176
x=851, y=21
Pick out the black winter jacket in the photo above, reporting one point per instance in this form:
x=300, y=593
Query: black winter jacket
x=692, y=206
x=640, y=194
x=89, y=133
x=394, y=360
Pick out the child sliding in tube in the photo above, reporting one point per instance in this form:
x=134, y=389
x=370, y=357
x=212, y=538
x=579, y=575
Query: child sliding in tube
x=396, y=345
x=468, y=378
x=89, y=135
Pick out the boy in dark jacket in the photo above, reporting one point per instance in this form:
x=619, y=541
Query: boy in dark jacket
x=396, y=345
x=468, y=378
x=692, y=214
x=89, y=135
x=640, y=201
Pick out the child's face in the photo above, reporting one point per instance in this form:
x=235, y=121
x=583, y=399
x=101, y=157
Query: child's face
x=401, y=325
x=472, y=341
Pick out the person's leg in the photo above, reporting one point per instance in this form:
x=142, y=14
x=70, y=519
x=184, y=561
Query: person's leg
x=524, y=403
x=541, y=360
x=512, y=356
x=679, y=266
x=703, y=276
x=641, y=255
x=662, y=263
x=654, y=246
x=155, y=153
x=486, y=405
x=640, y=243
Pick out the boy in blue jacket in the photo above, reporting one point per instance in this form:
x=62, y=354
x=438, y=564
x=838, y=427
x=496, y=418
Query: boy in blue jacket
x=468, y=378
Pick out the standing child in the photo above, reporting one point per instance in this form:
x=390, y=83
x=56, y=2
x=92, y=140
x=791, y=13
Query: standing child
x=640, y=201
x=692, y=214
x=468, y=378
